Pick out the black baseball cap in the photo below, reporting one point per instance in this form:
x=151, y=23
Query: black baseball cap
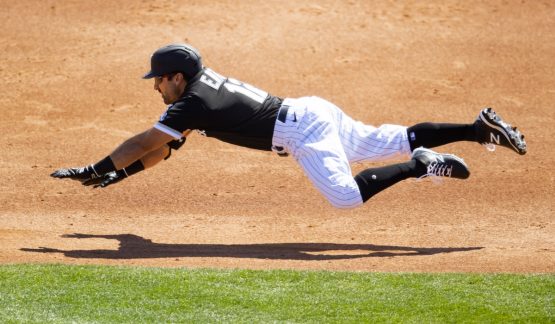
x=175, y=58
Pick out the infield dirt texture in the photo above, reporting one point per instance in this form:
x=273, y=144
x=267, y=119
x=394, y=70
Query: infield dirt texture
x=72, y=90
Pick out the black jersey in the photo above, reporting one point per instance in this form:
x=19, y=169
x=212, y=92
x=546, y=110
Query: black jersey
x=224, y=108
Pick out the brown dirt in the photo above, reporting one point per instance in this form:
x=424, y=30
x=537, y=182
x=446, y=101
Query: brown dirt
x=72, y=91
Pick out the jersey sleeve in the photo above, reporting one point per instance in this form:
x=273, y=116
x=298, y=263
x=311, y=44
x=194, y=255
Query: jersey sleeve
x=180, y=116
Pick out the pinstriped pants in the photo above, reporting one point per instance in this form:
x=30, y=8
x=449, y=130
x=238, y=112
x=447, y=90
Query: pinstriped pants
x=324, y=141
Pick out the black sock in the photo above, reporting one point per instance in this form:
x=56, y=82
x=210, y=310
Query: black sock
x=436, y=134
x=372, y=181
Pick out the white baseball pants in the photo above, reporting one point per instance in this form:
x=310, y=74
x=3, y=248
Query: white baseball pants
x=324, y=141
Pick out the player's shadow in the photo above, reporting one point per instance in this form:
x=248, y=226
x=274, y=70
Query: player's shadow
x=136, y=247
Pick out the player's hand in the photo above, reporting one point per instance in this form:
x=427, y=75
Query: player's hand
x=94, y=181
x=107, y=179
x=81, y=174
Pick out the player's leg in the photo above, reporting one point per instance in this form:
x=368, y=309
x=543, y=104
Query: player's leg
x=330, y=173
x=424, y=162
x=365, y=142
x=332, y=176
x=309, y=134
x=368, y=143
x=321, y=155
x=371, y=144
x=324, y=162
x=436, y=134
x=488, y=128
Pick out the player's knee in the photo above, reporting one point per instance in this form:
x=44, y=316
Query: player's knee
x=348, y=198
x=348, y=205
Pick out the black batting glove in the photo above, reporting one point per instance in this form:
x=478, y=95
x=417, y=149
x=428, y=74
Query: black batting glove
x=108, y=179
x=81, y=174
x=94, y=181
x=116, y=176
x=88, y=173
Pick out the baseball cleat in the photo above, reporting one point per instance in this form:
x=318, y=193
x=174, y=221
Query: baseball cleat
x=492, y=130
x=441, y=165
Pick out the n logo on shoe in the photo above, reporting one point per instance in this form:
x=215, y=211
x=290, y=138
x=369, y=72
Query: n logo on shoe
x=493, y=138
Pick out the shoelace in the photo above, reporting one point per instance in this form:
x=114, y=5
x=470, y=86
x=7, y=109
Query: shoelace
x=437, y=169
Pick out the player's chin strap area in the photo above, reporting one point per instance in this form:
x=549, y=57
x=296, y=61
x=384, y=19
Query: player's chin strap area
x=175, y=145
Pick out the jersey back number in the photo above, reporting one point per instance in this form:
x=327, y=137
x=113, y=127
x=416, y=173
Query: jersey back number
x=215, y=81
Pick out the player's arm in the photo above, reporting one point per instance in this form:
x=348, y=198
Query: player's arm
x=154, y=157
x=151, y=151
x=164, y=152
x=126, y=155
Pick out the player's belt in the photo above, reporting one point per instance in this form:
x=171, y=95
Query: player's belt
x=282, y=114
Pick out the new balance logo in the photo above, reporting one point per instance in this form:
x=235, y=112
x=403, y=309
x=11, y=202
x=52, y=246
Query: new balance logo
x=494, y=139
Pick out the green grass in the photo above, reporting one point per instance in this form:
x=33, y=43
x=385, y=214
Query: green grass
x=58, y=293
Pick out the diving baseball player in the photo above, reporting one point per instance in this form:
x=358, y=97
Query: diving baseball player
x=316, y=133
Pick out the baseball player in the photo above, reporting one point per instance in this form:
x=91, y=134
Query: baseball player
x=316, y=133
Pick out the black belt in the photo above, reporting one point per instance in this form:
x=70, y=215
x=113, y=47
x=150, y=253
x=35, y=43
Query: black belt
x=282, y=114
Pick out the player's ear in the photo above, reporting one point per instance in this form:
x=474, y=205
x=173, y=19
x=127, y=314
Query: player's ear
x=180, y=76
x=180, y=81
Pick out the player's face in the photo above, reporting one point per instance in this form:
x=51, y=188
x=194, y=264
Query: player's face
x=169, y=88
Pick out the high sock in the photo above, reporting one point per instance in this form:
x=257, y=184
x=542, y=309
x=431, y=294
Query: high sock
x=372, y=181
x=435, y=134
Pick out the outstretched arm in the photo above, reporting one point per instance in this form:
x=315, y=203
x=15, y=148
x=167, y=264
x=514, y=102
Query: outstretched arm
x=126, y=155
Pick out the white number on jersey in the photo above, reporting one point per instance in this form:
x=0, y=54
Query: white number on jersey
x=212, y=79
x=246, y=89
x=215, y=81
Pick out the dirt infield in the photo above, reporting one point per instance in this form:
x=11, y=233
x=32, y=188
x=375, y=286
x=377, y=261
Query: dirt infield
x=72, y=91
